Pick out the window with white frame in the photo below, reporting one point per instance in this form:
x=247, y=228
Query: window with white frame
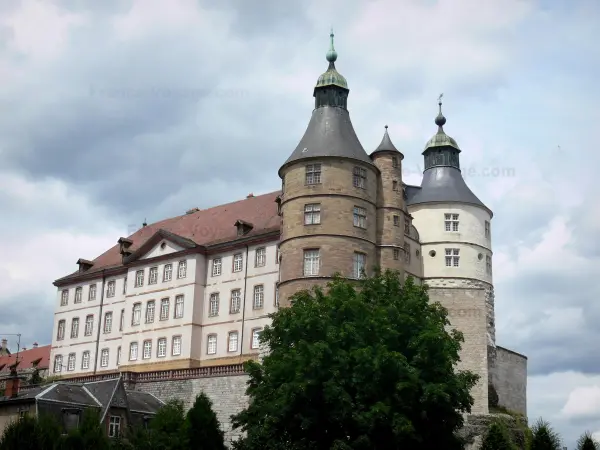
x=74, y=327
x=277, y=255
x=211, y=344
x=85, y=360
x=164, y=309
x=60, y=331
x=313, y=174
x=407, y=253
x=255, y=338
x=360, y=217
x=312, y=214
x=89, y=325
x=104, y=358
x=359, y=263
x=71, y=362
x=168, y=272
x=217, y=267
x=176, y=346
x=78, y=294
x=147, y=350
x=114, y=426
x=259, y=296
x=488, y=264
x=213, y=304
x=107, y=322
x=238, y=262
x=122, y=320
x=133, y=351
x=487, y=229
x=58, y=363
x=64, y=298
x=311, y=263
x=260, y=257
x=276, y=295
x=162, y=348
x=452, y=257
x=178, y=307
x=150, y=310
x=396, y=254
x=118, y=355
x=451, y=222
x=92, y=293
x=125, y=285
x=236, y=301
x=182, y=269
x=110, y=288
x=359, y=178
x=153, y=275
x=136, y=314
x=407, y=226
x=139, y=278
x=232, y=345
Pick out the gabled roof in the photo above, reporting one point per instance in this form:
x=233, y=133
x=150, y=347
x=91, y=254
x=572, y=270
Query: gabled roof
x=160, y=235
x=26, y=359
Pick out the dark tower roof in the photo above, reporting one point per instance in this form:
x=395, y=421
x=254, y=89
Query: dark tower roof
x=387, y=145
x=442, y=179
x=330, y=131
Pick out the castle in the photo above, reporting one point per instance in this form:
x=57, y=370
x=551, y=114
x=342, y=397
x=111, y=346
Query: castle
x=194, y=291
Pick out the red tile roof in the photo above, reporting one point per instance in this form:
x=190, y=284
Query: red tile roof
x=204, y=227
x=26, y=359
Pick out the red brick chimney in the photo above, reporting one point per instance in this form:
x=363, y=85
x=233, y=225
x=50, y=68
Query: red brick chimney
x=35, y=345
x=12, y=385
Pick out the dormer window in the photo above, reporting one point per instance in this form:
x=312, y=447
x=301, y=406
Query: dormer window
x=84, y=264
x=243, y=227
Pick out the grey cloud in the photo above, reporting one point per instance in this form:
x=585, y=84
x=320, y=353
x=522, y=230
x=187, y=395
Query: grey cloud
x=30, y=315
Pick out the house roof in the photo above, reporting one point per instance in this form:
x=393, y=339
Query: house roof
x=204, y=227
x=26, y=359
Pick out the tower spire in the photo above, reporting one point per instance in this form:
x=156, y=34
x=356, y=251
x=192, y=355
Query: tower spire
x=331, y=54
x=331, y=88
x=440, y=120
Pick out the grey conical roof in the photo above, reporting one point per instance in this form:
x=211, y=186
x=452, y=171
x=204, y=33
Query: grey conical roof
x=386, y=144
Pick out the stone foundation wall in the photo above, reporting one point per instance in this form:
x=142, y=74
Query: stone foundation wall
x=508, y=375
x=476, y=426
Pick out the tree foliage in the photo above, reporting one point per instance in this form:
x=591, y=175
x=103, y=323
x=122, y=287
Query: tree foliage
x=367, y=368
x=587, y=442
x=202, y=427
x=543, y=437
x=497, y=438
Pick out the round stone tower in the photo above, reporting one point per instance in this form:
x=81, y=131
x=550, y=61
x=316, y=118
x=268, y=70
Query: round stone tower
x=329, y=199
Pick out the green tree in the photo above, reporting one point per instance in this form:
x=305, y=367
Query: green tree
x=497, y=438
x=372, y=367
x=31, y=433
x=587, y=442
x=202, y=427
x=89, y=435
x=543, y=437
x=166, y=430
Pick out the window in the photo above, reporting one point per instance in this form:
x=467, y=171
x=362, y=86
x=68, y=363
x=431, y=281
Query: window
x=58, y=364
x=217, y=266
x=85, y=360
x=150, y=308
x=71, y=362
x=176, y=346
x=277, y=255
x=60, y=332
x=182, y=269
x=394, y=161
x=276, y=295
x=312, y=214
x=64, y=298
x=92, y=293
x=110, y=288
x=78, y=294
x=360, y=217
x=313, y=174
x=211, y=344
x=178, y=307
x=236, y=300
x=114, y=426
x=147, y=350
x=452, y=257
x=107, y=322
x=260, y=257
x=259, y=296
x=451, y=222
x=162, y=348
x=487, y=229
x=168, y=272
x=359, y=178
x=488, y=264
x=255, y=338
x=232, y=345
x=394, y=185
x=122, y=320
x=104, y=358
x=407, y=253
x=124, y=285
x=75, y=327
x=213, y=304
x=238, y=262
x=136, y=314
x=407, y=225
x=89, y=325
x=153, y=275
x=396, y=221
x=164, y=309
x=139, y=278
x=118, y=355
x=133, y=351
x=311, y=263
x=360, y=260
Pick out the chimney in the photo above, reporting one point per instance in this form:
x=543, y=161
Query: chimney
x=250, y=195
x=35, y=345
x=4, y=344
x=12, y=386
x=24, y=348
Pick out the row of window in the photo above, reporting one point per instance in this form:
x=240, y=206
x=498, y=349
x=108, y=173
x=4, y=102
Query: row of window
x=451, y=223
x=164, y=314
x=260, y=260
x=258, y=300
x=313, y=175
x=166, y=276
x=233, y=341
x=453, y=259
x=312, y=263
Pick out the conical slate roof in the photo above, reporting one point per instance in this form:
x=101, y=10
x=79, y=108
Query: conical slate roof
x=386, y=144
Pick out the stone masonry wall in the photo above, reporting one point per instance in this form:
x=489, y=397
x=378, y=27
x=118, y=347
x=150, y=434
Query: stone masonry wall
x=508, y=374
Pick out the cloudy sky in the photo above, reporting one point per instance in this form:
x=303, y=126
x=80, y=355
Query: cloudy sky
x=120, y=110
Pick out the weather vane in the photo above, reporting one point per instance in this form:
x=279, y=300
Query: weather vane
x=440, y=97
